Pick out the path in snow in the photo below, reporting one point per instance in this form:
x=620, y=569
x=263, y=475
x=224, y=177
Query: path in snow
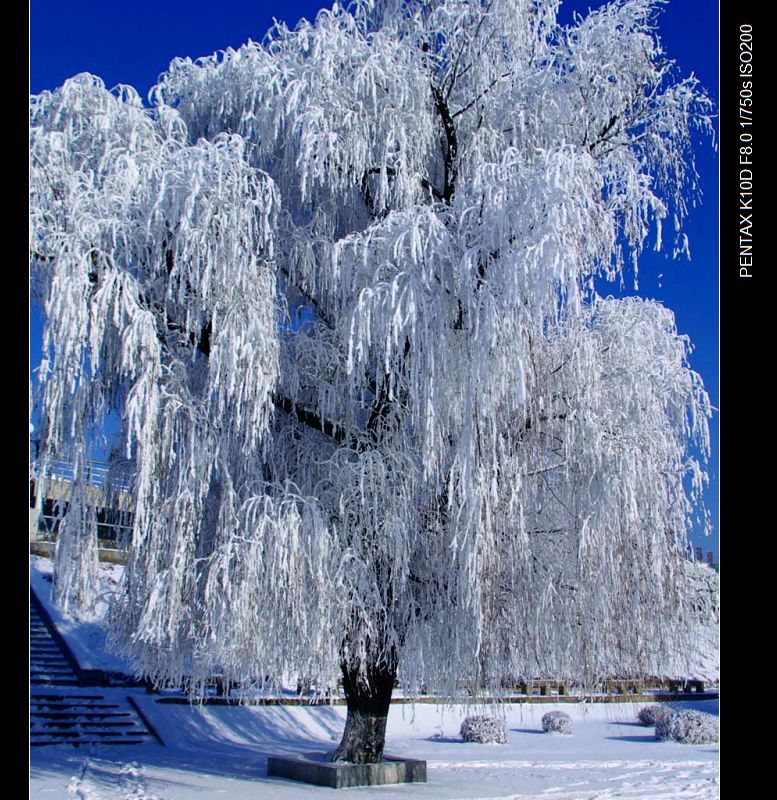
x=100, y=779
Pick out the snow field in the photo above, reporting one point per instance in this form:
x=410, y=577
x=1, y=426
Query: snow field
x=221, y=751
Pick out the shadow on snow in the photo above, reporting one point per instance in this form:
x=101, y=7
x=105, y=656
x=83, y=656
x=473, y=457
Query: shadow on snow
x=203, y=740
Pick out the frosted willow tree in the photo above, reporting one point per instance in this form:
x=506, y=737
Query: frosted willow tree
x=457, y=462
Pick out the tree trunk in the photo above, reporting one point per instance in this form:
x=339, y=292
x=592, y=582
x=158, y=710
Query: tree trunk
x=368, y=697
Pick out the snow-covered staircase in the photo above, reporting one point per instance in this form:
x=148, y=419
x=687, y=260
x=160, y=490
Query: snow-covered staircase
x=84, y=718
x=48, y=663
x=62, y=709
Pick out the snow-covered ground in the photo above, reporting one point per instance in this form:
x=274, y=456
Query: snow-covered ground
x=85, y=636
x=214, y=751
x=219, y=751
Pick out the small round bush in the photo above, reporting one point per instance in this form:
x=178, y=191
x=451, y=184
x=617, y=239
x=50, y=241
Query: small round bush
x=483, y=729
x=688, y=727
x=649, y=715
x=557, y=722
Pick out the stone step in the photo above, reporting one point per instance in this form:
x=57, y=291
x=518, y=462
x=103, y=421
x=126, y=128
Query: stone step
x=69, y=716
x=109, y=723
x=67, y=704
x=81, y=719
x=48, y=655
x=59, y=668
x=62, y=670
x=85, y=741
x=48, y=652
x=52, y=676
x=49, y=661
x=64, y=725
x=48, y=664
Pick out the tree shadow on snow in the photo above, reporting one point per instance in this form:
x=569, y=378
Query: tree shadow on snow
x=211, y=741
x=642, y=739
x=526, y=730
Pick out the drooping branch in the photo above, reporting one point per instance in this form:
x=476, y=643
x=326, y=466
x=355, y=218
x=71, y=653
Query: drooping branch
x=455, y=74
x=202, y=342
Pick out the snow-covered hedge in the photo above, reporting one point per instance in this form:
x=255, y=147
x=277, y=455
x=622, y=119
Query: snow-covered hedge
x=557, y=722
x=484, y=729
x=650, y=715
x=688, y=727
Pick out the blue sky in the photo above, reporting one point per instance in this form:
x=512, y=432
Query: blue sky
x=133, y=43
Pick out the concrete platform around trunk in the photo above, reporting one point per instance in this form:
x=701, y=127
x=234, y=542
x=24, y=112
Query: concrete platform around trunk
x=317, y=769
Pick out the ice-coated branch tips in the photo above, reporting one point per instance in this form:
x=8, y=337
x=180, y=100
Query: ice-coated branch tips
x=338, y=287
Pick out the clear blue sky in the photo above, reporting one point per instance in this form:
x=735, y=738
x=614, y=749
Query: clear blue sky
x=133, y=42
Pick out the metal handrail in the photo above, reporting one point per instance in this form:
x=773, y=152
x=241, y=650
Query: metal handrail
x=98, y=473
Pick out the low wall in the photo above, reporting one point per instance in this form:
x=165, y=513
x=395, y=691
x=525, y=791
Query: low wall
x=103, y=553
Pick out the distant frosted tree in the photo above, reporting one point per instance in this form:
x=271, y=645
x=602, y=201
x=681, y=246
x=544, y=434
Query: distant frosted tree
x=459, y=462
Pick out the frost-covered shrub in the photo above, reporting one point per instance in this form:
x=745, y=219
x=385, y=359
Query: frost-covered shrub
x=650, y=715
x=688, y=727
x=557, y=722
x=483, y=729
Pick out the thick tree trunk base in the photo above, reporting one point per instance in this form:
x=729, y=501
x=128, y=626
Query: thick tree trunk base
x=368, y=696
x=363, y=739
